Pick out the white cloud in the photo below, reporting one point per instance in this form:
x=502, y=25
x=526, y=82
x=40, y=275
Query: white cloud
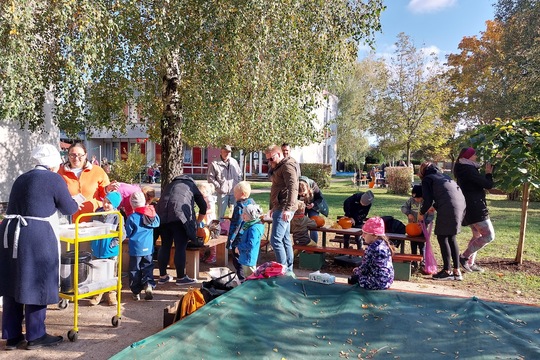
x=428, y=6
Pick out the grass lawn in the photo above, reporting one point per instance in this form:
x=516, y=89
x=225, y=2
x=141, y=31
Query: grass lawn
x=503, y=280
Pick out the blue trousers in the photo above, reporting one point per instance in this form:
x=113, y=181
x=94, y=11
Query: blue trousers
x=280, y=240
x=12, y=318
x=141, y=272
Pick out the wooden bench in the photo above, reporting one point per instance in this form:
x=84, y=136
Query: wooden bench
x=193, y=255
x=401, y=262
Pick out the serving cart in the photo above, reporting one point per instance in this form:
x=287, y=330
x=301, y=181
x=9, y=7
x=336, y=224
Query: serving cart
x=75, y=234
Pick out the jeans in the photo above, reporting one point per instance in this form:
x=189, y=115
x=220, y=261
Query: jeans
x=223, y=202
x=141, y=272
x=280, y=239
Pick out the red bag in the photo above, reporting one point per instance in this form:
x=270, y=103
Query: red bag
x=430, y=264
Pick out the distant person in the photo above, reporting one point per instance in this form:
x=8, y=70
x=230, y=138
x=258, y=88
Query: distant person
x=283, y=197
x=30, y=254
x=242, y=191
x=224, y=173
x=357, y=208
x=94, y=160
x=249, y=239
x=444, y=194
x=474, y=185
x=140, y=231
x=376, y=272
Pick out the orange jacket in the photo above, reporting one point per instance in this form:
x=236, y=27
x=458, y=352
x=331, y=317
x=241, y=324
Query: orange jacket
x=91, y=184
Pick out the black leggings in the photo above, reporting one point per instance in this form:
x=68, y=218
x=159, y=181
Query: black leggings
x=449, y=250
x=173, y=232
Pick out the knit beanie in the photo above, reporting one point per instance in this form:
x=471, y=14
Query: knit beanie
x=374, y=225
x=114, y=198
x=253, y=211
x=417, y=191
x=367, y=198
x=468, y=153
x=137, y=199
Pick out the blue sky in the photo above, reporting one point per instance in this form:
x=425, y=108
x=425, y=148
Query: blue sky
x=435, y=24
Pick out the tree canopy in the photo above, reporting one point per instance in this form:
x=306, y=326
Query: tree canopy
x=204, y=72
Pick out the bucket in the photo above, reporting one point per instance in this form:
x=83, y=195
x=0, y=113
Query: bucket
x=67, y=262
x=102, y=269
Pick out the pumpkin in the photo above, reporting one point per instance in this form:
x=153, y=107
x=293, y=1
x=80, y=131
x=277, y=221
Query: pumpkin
x=319, y=220
x=204, y=234
x=413, y=229
x=345, y=222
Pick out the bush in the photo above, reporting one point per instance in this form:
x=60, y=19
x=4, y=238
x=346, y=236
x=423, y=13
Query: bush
x=399, y=179
x=320, y=173
x=128, y=170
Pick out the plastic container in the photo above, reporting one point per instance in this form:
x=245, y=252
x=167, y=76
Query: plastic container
x=67, y=266
x=322, y=278
x=102, y=269
x=94, y=228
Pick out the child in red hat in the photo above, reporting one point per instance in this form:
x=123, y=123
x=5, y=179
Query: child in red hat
x=376, y=271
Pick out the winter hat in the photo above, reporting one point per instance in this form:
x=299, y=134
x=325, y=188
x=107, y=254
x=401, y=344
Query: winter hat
x=417, y=191
x=114, y=198
x=374, y=225
x=47, y=155
x=137, y=199
x=467, y=153
x=253, y=211
x=367, y=198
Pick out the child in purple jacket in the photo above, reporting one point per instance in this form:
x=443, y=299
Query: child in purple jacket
x=376, y=271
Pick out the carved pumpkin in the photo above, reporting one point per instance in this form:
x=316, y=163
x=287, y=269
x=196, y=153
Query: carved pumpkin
x=204, y=234
x=345, y=222
x=413, y=229
x=319, y=220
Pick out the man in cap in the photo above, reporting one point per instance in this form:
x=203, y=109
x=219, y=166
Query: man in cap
x=224, y=173
x=357, y=208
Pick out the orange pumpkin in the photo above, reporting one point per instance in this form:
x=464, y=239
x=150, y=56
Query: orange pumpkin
x=203, y=233
x=413, y=229
x=345, y=222
x=319, y=220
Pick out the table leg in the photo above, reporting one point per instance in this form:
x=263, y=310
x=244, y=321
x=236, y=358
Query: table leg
x=323, y=238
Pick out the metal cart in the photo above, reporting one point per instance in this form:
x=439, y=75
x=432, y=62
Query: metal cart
x=65, y=298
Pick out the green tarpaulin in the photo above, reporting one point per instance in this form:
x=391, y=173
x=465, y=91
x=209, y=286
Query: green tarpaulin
x=287, y=318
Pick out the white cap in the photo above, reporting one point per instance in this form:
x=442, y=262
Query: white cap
x=137, y=199
x=47, y=155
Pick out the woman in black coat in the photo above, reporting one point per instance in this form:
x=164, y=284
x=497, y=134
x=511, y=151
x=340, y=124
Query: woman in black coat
x=444, y=194
x=473, y=185
x=29, y=259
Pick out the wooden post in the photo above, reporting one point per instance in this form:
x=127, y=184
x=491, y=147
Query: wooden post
x=523, y=227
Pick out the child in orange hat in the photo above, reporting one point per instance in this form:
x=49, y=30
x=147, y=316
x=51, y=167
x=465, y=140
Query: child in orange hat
x=376, y=271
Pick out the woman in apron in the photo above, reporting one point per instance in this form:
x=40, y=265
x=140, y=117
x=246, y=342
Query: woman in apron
x=29, y=253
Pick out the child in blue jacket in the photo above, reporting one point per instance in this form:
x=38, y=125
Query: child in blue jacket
x=248, y=241
x=140, y=232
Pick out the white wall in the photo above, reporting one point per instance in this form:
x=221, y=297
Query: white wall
x=16, y=147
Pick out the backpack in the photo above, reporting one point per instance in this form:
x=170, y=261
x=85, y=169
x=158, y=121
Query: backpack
x=190, y=303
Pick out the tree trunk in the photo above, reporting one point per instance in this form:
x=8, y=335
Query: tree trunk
x=171, y=123
x=523, y=227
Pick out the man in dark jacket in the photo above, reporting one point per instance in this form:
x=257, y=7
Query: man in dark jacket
x=176, y=210
x=473, y=185
x=357, y=208
x=283, y=197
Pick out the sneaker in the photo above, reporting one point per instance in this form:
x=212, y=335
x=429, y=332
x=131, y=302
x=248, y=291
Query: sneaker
x=165, y=279
x=457, y=276
x=186, y=280
x=45, y=340
x=443, y=275
x=477, y=268
x=136, y=297
x=13, y=344
x=464, y=264
x=148, y=295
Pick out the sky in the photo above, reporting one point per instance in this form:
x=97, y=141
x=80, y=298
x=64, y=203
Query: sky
x=438, y=25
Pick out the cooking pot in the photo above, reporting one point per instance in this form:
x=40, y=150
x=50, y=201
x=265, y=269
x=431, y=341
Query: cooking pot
x=67, y=266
